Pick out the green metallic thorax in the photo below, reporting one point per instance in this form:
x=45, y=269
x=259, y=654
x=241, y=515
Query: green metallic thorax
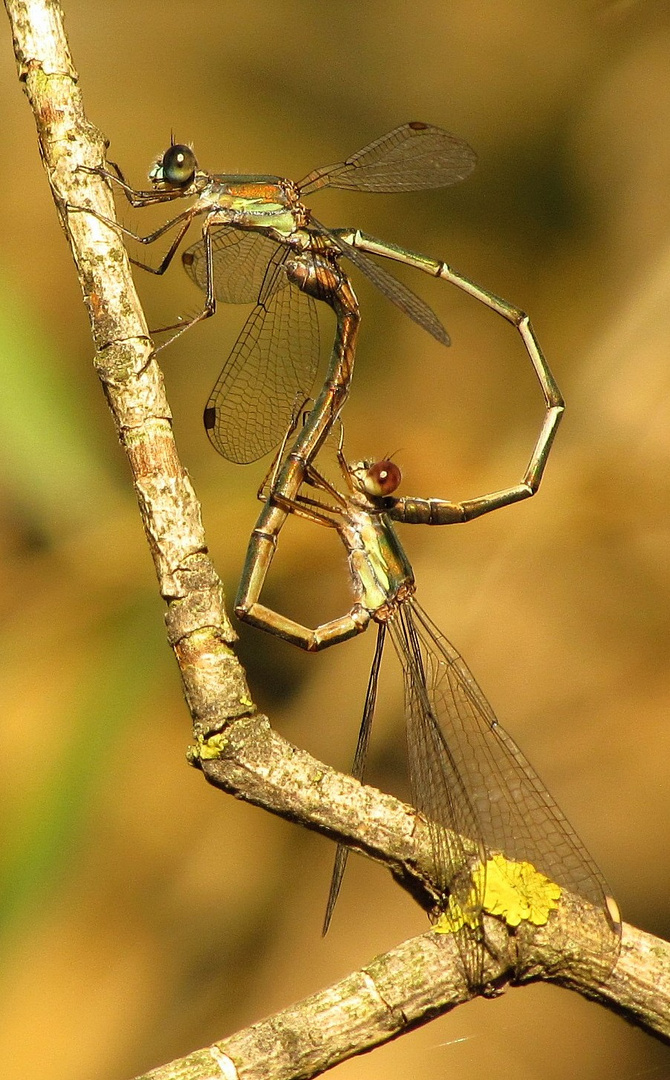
x=380, y=570
x=259, y=202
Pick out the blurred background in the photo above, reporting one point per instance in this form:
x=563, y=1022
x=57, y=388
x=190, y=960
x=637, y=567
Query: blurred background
x=144, y=914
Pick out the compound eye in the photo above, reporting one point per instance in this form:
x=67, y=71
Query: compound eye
x=382, y=478
x=178, y=165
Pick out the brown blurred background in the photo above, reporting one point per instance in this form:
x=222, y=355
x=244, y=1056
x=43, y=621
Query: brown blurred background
x=144, y=914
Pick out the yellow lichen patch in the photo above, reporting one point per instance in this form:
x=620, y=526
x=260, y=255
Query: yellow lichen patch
x=456, y=916
x=210, y=749
x=513, y=891
x=517, y=892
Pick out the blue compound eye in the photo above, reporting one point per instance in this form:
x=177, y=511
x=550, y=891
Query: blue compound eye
x=178, y=165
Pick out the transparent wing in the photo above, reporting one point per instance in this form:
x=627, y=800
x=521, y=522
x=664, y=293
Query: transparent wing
x=269, y=372
x=470, y=776
x=440, y=794
x=239, y=262
x=357, y=769
x=412, y=157
x=394, y=290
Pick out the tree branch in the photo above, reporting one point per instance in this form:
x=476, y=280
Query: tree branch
x=198, y=627
x=397, y=992
x=422, y=977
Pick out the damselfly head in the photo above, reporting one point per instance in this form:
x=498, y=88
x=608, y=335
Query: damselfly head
x=377, y=478
x=176, y=168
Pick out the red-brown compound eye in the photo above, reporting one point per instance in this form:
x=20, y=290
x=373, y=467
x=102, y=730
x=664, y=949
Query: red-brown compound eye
x=382, y=478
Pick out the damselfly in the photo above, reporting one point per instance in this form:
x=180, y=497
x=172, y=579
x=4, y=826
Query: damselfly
x=500, y=844
x=256, y=229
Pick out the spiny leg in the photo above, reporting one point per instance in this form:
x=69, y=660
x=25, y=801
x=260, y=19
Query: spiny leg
x=184, y=221
x=247, y=607
x=209, y=307
x=136, y=197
